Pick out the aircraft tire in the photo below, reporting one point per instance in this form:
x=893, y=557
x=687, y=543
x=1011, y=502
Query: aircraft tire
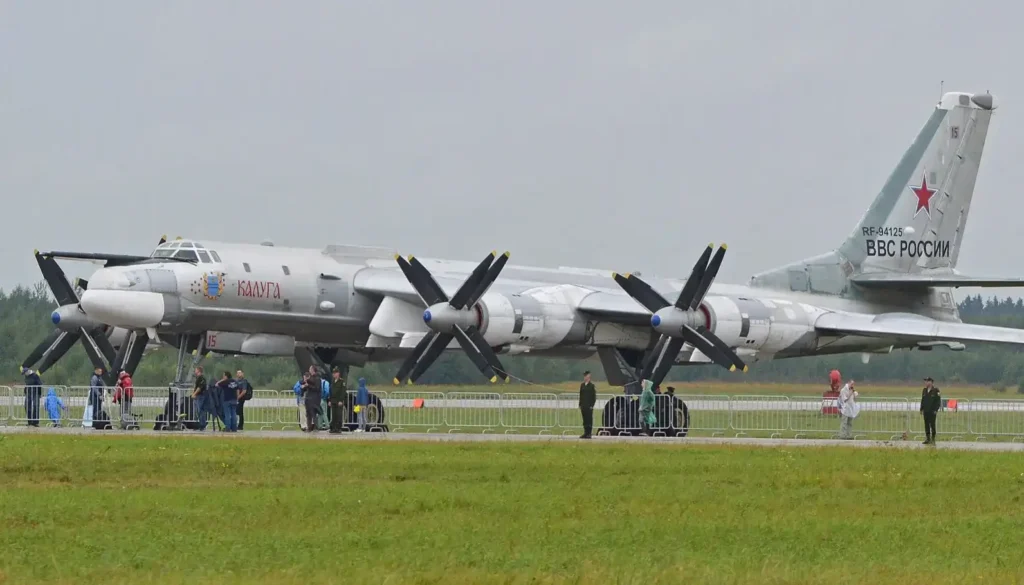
x=679, y=423
x=618, y=412
x=375, y=416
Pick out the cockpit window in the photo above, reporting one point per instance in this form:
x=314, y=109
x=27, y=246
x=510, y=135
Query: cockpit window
x=216, y=257
x=186, y=245
x=204, y=257
x=163, y=253
x=189, y=255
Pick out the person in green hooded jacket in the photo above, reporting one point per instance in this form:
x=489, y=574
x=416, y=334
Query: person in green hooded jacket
x=647, y=417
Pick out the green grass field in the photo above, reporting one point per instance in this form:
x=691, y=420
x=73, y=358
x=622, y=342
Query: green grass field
x=189, y=510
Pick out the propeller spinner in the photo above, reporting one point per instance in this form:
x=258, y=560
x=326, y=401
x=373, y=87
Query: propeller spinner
x=451, y=318
x=682, y=322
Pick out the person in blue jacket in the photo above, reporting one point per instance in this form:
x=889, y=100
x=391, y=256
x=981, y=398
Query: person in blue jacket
x=33, y=392
x=54, y=406
x=297, y=389
x=362, y=400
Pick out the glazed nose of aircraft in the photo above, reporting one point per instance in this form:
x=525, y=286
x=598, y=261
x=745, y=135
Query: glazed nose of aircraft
x=123, y=299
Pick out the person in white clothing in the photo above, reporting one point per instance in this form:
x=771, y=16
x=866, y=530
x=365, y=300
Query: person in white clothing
x=848, y=410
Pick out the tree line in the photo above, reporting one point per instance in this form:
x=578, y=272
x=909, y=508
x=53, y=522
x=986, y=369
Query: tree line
x=25, y=321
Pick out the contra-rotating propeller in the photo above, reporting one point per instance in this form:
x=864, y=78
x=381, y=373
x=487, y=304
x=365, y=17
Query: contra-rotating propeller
x=93, y=338
x=451, y=318
x=682, y=322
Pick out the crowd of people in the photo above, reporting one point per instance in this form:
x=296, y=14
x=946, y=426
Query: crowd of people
x=323, y=404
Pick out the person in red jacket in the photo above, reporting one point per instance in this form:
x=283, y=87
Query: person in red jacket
x=124, y=392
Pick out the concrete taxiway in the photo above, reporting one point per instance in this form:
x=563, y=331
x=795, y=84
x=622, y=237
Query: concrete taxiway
x=514, y=438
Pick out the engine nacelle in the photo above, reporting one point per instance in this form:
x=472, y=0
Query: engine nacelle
x=538, y=318
x=757, y=323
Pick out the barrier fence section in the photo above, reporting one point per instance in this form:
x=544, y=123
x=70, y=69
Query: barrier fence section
x=528, y=410
x=535, y=412
x=5, y=405
x=421, y=411
x=995, y=418
x=708, y=413
x=762, y=414
x=473, y=410
x=263, y=411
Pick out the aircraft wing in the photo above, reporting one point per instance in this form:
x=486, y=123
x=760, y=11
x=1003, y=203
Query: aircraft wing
x=392, y=283
x=904, y=281
x=603, y=306
x=914, y=327
x=615, y=308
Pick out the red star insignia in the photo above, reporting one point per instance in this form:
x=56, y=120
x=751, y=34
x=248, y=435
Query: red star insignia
x=924, y=197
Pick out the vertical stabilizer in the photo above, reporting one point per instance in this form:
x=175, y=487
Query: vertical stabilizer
x=917, y=221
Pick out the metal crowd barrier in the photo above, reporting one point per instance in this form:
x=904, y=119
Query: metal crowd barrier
x=544, y=413
x=5, y=405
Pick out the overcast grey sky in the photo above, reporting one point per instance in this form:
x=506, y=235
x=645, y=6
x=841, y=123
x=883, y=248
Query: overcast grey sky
x=618, y=135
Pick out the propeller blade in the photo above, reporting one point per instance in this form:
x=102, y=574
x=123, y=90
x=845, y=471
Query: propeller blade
x=709, y=277
x=474, y=354
x=41, y=349
x=421, y=280
x=668, y=359
x=488, y=352
x=93, y=349
x=119, y=359
x=440, y=342
x=410, y=362
x=722, y=347
x=641, y=292
x=470, y=339
x=57, y=350
x=698, y=341
x=56, y=279
x=138, y=345
x=693, y=282
x=102, y=342
x=163, y=240
x=462, y=296
x=652, y=358
x=488, y=280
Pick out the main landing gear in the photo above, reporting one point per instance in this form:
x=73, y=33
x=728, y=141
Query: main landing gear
x=621, y=416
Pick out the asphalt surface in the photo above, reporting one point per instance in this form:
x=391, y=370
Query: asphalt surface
x=514, y=438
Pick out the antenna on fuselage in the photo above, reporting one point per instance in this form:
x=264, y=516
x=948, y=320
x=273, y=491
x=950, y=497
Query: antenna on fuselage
x=942, y=84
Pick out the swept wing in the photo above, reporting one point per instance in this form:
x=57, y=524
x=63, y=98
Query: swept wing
x=913, y=328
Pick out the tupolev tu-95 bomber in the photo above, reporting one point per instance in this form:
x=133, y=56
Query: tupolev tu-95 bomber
x=887, y=285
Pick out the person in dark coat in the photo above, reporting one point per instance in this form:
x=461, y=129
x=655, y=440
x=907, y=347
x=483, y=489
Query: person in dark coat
x=228, y=401
x=200, y=397
x=244, y=395
x=33, y=393
x=588, y=398
x=312, y=393
x=931, y=404
x=97, y=387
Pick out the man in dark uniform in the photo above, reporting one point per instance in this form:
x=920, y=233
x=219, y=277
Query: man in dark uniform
x=33, y=392
x=312, y=390
x=337, y=399
x=588, y=397
x=931, y=404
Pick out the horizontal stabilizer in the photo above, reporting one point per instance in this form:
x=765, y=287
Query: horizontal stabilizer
x=914, y=328
x=904, y=281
